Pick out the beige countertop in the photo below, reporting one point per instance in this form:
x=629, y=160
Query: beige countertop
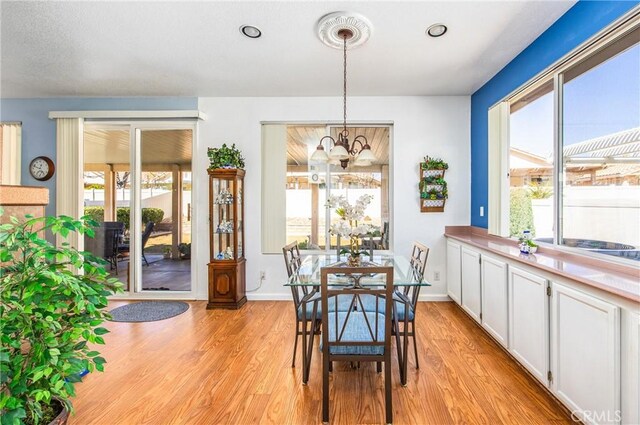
x=610, y=277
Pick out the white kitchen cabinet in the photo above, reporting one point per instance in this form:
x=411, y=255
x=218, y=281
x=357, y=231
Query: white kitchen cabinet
x=529, y=322
x=454, y=282
x=471, y=291
x=585, y=354
x=495, y=312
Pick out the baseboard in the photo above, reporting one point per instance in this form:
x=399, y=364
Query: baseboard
x=434, y=298
x=269, y=297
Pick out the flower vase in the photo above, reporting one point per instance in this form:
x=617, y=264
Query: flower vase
x=353, y=260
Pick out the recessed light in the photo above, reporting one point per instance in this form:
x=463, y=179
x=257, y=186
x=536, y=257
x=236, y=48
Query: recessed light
x=250, y=31
x=436, y=30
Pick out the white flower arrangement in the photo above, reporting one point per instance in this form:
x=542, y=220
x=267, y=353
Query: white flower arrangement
x=348, y=227
x=347, y=211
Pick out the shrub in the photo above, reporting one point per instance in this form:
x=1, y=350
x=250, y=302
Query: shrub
x=95, y=213
x=521, y=212
x=122, y=214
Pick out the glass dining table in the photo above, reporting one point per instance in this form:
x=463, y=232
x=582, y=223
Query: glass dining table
x=308, y=277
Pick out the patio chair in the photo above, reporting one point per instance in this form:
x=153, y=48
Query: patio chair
x=124, y=247
x=104, y=244
x=356, y=335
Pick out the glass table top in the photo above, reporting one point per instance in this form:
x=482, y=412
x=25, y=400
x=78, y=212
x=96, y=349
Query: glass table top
x=309, y=272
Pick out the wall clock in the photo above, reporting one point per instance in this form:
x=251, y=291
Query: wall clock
x=41, y=168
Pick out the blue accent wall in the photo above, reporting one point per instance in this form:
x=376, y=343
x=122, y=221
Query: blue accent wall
x=578, y=24
x=39, y=132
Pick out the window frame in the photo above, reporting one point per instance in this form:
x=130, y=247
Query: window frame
x=614, y=33
x=329, y=125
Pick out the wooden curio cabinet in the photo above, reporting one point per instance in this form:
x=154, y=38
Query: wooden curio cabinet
x=227, y=287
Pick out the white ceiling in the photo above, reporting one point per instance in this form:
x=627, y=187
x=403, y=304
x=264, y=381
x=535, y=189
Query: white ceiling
x=139, y=48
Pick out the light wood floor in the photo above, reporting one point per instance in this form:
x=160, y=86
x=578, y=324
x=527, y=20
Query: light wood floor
x=234, y=367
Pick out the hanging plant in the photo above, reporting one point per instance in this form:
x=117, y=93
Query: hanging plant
x=225, y=157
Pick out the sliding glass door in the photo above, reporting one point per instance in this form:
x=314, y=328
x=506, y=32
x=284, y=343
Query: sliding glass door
x=137, y=181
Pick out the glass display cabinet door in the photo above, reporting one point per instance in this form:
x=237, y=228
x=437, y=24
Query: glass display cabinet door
x=223, y=220
x=240, y=218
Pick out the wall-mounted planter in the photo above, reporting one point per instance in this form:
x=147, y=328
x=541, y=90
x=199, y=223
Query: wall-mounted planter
x=433, y=187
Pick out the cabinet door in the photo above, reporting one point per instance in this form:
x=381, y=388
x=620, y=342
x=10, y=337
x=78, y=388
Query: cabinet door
x=454, y=288
x=471, y=292
x=585, y=354
x=529, y=322
x=495, y=314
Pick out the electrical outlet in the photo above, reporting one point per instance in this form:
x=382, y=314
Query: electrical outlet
x=263, y=275
x=436, y=276
x=481, y=211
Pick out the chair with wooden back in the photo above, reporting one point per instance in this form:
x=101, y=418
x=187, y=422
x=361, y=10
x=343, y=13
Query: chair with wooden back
x=356, y=335
x=407, y=298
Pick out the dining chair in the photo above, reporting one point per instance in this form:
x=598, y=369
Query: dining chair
x=356, y=335
x=292, y=261
x=407, y=297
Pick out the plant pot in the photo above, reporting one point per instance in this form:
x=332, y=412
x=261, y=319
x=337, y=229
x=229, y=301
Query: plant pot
x=533, y=249
x=353, y=261
x=62, y=417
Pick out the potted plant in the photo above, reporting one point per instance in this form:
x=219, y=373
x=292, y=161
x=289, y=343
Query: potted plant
x=167, y=252
x=185, y=250
x=434, y=164
x=527, y=246
x=225, y=157
x=50, y=313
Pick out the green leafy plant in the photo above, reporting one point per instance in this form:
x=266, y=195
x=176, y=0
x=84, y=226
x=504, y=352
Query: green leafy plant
x=124, y=213
x=540, y=191
x=435, y=194
x=433, y=164
x=225, y=157
x=435, y=180
x=50, y=314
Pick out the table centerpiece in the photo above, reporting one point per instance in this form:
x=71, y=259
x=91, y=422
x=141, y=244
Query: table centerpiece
x=348, y=226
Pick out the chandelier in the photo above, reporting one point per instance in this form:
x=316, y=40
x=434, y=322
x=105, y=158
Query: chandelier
x=341, y=149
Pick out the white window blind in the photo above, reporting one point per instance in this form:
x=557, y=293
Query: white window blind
x=69, y=173
x=11, y=151
x=498, y=169
x=274, y=182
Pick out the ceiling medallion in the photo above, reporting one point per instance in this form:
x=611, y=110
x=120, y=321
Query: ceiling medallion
x=358, y=152
x=330, y=25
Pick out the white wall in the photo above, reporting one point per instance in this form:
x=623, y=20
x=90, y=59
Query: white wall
x=436, y=125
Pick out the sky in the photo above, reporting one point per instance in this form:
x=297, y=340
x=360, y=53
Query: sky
x=604, y=100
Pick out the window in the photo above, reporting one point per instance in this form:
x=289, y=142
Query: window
x=303, y=216
x=600, y=204
x=309, y=185
x=573, y=147
x=531, y=163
